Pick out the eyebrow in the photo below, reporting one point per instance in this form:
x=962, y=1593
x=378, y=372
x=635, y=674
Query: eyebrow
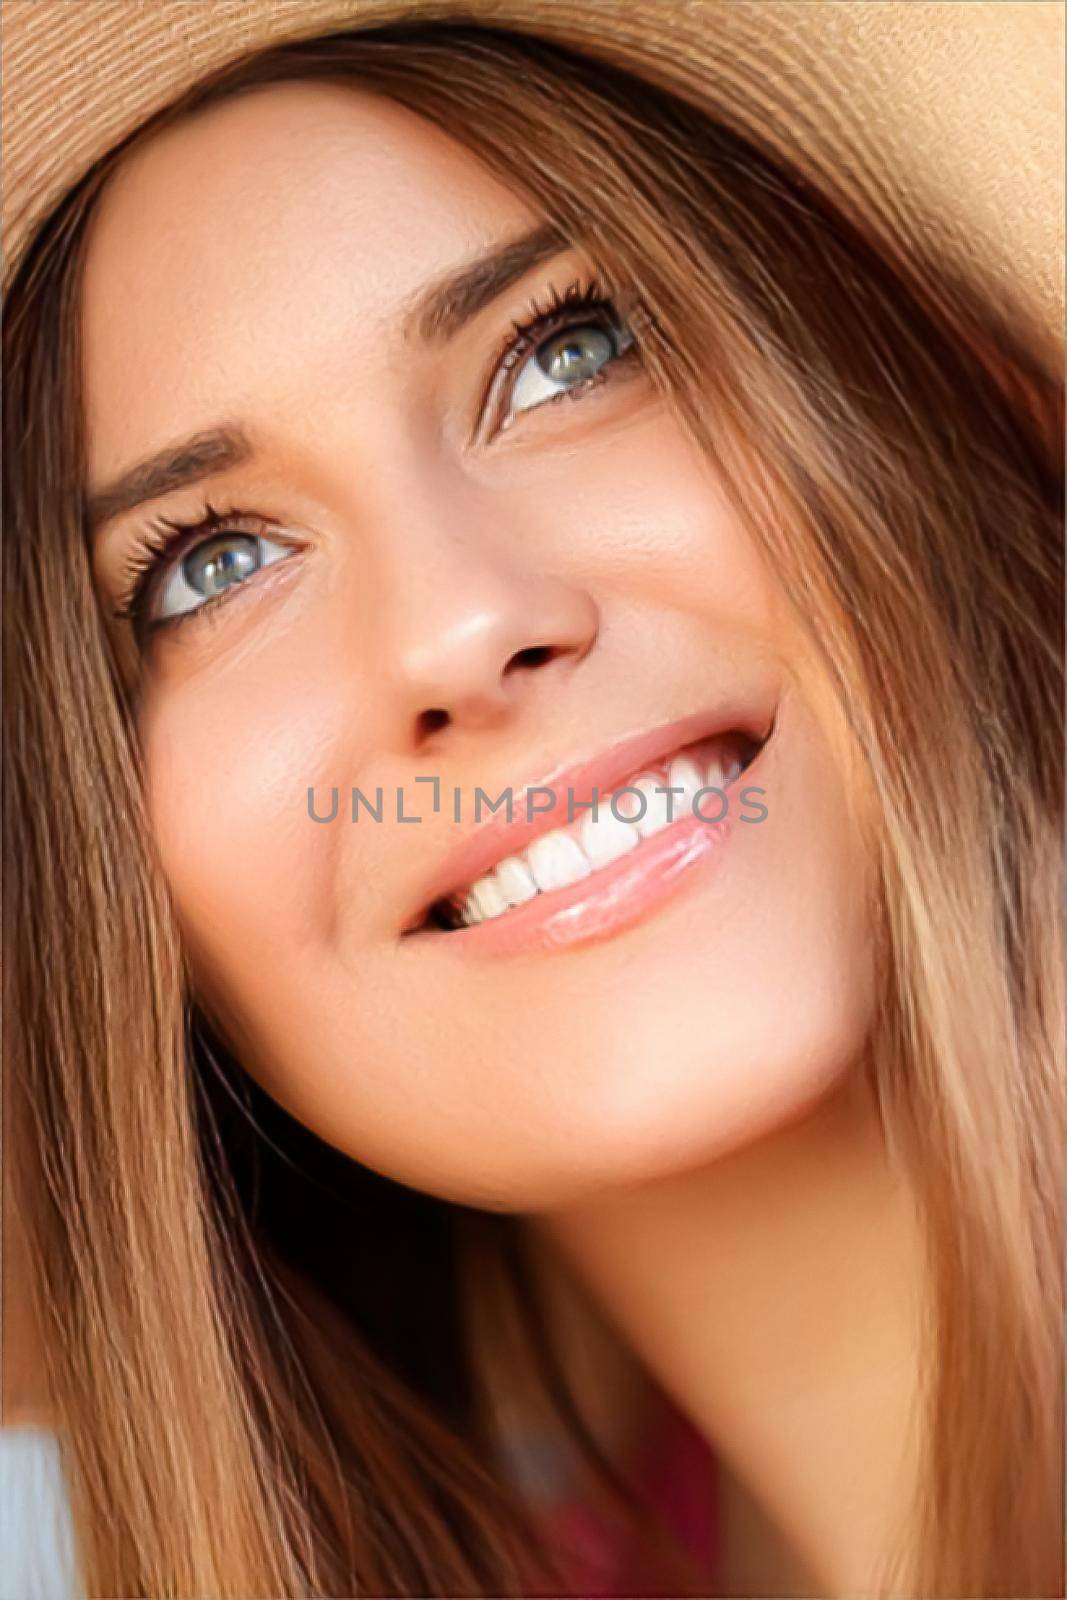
x=437, y=313
x=433, y=316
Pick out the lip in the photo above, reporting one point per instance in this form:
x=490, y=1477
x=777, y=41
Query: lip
x=665, y=855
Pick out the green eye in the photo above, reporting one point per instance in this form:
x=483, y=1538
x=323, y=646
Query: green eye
x=218, y=563
x=566, y=359
x=214, y=565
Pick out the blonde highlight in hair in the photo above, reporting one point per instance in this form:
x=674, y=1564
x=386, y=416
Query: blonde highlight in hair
x=228, y=1427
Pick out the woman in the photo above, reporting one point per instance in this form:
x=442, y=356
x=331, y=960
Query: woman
x=559, y=439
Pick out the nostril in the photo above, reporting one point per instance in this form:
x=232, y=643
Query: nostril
x=535, y=655
x=431, y=721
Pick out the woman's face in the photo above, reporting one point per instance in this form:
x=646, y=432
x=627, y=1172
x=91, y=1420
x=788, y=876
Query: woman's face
x=448, y=565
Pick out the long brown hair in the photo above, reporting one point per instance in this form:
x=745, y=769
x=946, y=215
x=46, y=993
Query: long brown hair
x=246, y=1408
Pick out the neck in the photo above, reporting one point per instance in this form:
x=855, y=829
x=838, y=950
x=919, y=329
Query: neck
x=776, y=1297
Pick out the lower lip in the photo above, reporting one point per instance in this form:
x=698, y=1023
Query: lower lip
x=611, y=900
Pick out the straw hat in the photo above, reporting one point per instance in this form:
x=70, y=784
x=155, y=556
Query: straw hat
x=941, y=122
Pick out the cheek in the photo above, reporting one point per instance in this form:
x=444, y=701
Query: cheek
x=229, y=760
x=645, y=516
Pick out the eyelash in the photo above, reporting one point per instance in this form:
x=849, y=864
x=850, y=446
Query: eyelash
x=163, y=539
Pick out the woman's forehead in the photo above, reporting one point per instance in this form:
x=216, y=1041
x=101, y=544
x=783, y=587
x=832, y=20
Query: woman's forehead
x=291, y=224
x=326, y=143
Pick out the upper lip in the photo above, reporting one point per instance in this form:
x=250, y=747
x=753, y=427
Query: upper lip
x=484, y=846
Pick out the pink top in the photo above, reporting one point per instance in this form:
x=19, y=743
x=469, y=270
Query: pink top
x=676, y=1471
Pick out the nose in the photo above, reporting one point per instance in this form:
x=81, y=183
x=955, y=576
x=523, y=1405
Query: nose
x=471, y=636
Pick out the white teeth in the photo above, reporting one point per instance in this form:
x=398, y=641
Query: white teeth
x=515, y=880
x=716, y=777
x=607, y=838
x=556, y=860
x=724, y=765
x=626, y=803
x=488, y=900
x=660, y=809
x=470, y=915
x=568, y=855
x=685, y=775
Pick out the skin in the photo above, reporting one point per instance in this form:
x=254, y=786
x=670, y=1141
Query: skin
x=254, y=264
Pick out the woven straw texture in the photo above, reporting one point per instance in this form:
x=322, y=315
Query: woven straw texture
x=943, y=122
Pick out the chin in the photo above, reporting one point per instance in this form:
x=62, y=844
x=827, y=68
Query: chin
x=695, y=1067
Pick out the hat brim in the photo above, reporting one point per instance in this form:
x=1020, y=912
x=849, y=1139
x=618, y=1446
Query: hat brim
x=943, y=124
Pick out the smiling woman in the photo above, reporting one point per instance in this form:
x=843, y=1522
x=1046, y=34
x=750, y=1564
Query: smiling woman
x=430, y=410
